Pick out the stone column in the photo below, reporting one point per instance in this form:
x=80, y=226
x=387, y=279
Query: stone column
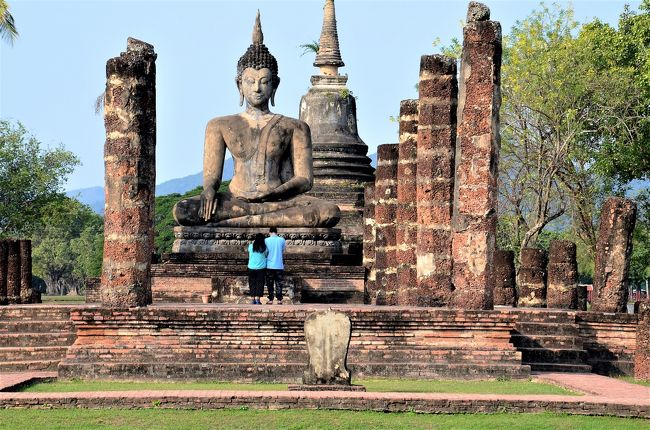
x=436, y=142
x=3, y=272
x=407, y=227
x=642, y=353
x=477, y=154
x=385, y=215
x=130, y=161
x=369, y=238
x=613, y=252
x=26, y=290
x=13, y=271
x=562, y=273
x=505, y=289
x=531, y=278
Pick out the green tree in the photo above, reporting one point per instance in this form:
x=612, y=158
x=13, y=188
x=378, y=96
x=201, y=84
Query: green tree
x=30, y=179
x=68, y=246
x=7, y=26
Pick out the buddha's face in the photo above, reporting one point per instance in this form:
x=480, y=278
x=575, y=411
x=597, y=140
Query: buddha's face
x=257, y=87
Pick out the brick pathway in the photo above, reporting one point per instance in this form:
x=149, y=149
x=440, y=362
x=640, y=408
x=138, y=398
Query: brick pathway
x=9, y=380
x=605, y=396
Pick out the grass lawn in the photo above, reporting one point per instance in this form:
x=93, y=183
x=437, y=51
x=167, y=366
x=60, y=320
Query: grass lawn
x=379, y=385
x=296, y=419
x=63, y=299
x=635, y=381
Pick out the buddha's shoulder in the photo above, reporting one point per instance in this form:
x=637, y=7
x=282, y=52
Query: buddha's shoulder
x=293, y=123
x=227, y=120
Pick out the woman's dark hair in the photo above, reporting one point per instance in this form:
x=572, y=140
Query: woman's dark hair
x=258, y=243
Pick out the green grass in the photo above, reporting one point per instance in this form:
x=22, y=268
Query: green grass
x=631, y=380
x=296, y=419
x=63, y=299
x=377, y=385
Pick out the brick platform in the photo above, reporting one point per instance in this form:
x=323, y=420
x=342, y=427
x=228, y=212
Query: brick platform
x=267, y=343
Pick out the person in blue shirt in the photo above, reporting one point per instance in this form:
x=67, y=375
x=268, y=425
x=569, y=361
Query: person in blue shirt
x=274, y=265
x=257, y=253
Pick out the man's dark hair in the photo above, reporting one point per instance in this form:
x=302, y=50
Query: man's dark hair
x=273, y=230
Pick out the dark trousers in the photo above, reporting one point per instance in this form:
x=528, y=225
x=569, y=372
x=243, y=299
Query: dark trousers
x=256, y=282
x=274, y=282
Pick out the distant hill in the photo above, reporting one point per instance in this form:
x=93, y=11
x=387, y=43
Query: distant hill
x=94, y=196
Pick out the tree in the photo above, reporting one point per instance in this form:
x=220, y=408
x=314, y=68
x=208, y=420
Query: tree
x=7, y=26
x=568, y=99
x=30, y=179
x=68, y=246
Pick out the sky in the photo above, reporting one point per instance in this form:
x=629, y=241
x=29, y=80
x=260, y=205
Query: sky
x=54, y=72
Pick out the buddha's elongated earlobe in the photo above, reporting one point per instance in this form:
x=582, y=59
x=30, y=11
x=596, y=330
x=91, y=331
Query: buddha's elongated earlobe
x=241, y=98
x=273, y=97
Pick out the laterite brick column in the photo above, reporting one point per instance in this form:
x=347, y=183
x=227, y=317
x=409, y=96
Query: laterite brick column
x=13, y=271
x=129, y=157
x=385, y=214
x=369, y=238
x=613, y=252
x=3, y=272
x=26, y=290
x=531, y=278
x=407, y=215
x=505, y=290
x=562, y=275
x=642, y=353
x=436, y=142
x=477, y=154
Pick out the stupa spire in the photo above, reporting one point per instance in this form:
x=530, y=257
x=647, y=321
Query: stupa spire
x=329, y=58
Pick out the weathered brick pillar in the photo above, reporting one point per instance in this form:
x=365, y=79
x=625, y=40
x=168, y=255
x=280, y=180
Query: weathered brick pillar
x=369, y=238
x=385, y=215
x=531, y=278
x=477, y=154
x=3, y=272
x=562, y=275
x=613, y=252
x=505, y=289
x=407, y=214
x=642, y=353
x=436, y=142
x=13, y=271
x=26, y=290
x=582, y=297
x=129, y=157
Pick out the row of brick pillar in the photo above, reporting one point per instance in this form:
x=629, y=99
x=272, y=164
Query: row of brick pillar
x=433, y=236
x=16, y=273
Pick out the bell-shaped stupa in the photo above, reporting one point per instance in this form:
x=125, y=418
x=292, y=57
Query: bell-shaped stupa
x=341, y=165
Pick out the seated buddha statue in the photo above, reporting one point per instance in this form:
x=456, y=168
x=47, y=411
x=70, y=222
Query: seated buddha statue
x=272, y=157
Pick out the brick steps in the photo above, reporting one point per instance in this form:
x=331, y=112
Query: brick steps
x=536, y=341
x=9, y=340
x=545, y=355
x=559, y=367
x=24, y=366
x=34, y=326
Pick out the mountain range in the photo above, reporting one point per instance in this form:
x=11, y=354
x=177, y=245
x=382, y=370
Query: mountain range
x=94, y=196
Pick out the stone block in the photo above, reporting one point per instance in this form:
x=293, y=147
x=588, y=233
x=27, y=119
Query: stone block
x=642, y=354
x=562, y=275
x=505, y=289
x=13, y=271
x=531, y=279
x=327, y=337
x=3, y=271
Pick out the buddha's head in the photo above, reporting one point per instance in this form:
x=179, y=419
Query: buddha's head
x=257, y=71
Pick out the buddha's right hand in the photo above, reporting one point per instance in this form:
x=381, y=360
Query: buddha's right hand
x=208, y=204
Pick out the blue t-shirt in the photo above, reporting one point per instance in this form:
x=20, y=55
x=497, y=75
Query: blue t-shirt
x=275, y=245
x=256, y=260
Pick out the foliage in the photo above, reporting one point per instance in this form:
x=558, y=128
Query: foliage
x=7, y=25
x=640, y=262
x=68, y=246
x=30, y=179
x=308, y=48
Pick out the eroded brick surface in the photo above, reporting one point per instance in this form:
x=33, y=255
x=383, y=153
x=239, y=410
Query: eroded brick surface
x=562, y=275
x=505, y=290
x=130, y=164
x=531, y=278
x=642, y=353
x=369, y=237
x=613, y=252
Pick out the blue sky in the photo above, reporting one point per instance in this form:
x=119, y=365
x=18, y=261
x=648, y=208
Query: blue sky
x=51, y=76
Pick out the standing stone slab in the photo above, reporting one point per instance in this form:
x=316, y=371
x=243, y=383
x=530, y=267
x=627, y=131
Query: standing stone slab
x=27, y=294
x=505, y=289
x=531, y=278
x=613, y=252
x=642, y=353
x=562, y=275
x=369, y=238
x=3, y=272
x=438, y=91
x=130, y=162
x=477, y=153
x=327, y=336
x=407, y=227
x=385, y=292
x=13, y=271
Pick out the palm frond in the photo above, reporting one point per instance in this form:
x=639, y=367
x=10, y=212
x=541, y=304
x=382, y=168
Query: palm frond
x=7, y=25
x=312, y=47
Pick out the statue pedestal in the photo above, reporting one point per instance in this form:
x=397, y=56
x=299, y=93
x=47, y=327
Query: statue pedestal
x=206, y=239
